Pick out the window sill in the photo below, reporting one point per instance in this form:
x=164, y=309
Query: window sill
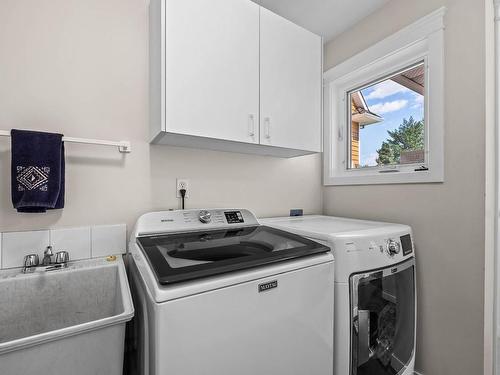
x=377, y=178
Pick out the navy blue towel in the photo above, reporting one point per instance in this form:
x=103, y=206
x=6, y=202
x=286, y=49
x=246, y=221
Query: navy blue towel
x=37, y=171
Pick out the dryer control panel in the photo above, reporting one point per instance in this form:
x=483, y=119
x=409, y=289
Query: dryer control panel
x=406, y=244
x=392, y=247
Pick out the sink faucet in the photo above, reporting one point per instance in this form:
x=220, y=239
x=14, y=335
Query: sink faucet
x=31, y=261
x=47, y=256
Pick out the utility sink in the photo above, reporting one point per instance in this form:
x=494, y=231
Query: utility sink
x=66, y=321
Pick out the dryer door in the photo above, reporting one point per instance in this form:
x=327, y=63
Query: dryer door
x=383, y=320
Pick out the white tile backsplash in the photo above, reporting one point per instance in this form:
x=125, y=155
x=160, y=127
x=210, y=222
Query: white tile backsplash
x=15, y=245
x=80, y=242
x=76, y=241
x=109, y=240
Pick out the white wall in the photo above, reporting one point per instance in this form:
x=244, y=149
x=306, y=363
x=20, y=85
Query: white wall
x=81, y=68
x=448, y=219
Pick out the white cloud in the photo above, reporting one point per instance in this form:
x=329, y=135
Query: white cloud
x=418, y=101
x=387, y=107
x=385, y=89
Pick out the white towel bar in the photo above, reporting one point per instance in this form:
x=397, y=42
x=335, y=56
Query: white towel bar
x=123, y=146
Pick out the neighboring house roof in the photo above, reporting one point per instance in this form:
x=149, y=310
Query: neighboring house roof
x=360, y=111
x=413, y=79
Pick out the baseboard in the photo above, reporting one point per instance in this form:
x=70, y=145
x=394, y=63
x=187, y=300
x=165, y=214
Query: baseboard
x=417, y=373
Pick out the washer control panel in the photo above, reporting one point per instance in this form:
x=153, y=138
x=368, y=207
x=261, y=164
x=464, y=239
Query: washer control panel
x=192, y=220
x=234, y=217
x=205, y=216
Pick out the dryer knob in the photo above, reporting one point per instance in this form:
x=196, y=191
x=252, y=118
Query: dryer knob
x=205, y=216
x=393, y=247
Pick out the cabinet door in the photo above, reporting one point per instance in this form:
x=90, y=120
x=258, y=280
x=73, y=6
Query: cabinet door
x=212, y=69
x=290, y=84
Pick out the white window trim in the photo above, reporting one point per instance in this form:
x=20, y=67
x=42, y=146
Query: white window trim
x=421, y=41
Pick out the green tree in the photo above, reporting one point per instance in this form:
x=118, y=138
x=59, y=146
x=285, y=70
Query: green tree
x=385, y=154
x=409, y=136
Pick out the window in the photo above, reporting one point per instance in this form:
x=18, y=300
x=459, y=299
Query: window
x=387, y=121
x=384, y=110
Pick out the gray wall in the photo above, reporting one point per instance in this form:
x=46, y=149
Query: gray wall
x=81, y=68
x=448, y=218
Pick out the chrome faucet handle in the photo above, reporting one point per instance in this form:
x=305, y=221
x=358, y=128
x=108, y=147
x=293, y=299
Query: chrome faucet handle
x=62, y=257
x=30, y=262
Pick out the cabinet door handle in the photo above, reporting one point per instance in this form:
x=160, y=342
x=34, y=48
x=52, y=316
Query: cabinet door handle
x=267, y=127
x=251, y=125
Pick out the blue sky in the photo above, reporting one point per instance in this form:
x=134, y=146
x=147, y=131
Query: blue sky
x=393, y=102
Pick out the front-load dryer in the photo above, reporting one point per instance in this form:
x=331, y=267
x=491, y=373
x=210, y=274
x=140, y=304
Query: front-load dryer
x=375, y=300
x=217, y=293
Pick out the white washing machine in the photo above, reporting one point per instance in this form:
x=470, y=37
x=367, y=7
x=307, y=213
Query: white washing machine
x=216, y=293
x=375, y=299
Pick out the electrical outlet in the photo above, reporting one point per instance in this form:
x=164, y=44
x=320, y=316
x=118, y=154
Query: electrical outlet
x=182, y=183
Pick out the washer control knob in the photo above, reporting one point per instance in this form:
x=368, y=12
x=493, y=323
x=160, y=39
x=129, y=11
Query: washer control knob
x=393, y=247
x=205, y=216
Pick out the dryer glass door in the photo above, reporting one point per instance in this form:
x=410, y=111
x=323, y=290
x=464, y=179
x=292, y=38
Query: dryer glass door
x=382, y=320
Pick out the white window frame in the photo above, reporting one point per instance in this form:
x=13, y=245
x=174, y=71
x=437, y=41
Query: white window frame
x=421, y=41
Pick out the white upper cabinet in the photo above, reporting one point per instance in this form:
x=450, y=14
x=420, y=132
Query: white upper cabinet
x=212, y=69
x=290, y=84
x=230, y=75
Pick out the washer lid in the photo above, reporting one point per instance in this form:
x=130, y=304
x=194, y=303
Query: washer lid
x=187, y=256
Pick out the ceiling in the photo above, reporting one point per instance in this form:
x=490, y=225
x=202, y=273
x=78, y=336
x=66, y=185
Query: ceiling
x=327, y=18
